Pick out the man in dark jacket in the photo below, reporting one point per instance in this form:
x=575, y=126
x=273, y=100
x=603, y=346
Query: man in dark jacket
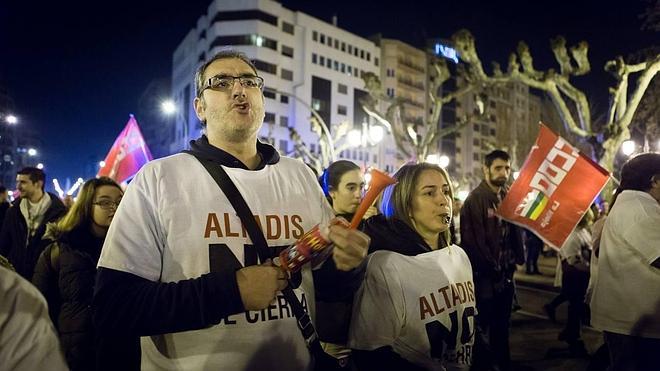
x=494, y=248
x=25, y=222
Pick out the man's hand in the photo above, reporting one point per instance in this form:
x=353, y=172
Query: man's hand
x=258, y=284
x=351, y=247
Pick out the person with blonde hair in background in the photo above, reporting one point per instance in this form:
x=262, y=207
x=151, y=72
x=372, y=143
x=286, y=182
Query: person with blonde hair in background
x=415, y=309
x=66, y=269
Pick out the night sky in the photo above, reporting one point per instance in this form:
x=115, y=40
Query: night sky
x=77, y=69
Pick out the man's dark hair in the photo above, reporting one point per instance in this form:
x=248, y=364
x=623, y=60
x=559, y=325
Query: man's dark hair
x=35, y=175
x=3, y=189
x=331, y=177
x=223, y=54
x=638, y=172
x=496, y=154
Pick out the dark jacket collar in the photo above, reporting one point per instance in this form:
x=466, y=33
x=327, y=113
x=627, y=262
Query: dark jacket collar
x=485, y=189
x=81, y=238
x=203, y=148
x=394, y=235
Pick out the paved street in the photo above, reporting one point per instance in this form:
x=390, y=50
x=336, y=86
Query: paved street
x=533, y=336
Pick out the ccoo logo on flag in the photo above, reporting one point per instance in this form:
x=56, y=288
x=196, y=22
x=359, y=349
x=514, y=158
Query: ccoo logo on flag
x=532, y=205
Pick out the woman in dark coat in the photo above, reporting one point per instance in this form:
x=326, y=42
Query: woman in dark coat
x=66, y=269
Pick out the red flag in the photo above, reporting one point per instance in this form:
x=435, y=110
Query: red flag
x=127, y=155
x=556, y=186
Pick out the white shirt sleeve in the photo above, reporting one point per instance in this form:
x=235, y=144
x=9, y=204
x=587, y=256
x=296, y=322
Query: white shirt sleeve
x=571, y=249
x=643, y=235
x=27, y=340
x=135, y=240
x=379, y=306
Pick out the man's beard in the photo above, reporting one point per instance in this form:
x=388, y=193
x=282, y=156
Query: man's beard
x=236, y=129
x=498, y=182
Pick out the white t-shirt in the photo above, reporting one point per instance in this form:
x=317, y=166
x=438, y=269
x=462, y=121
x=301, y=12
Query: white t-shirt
x=577, y=241
x=422, y=306
x=27, y=336
x=626, y=296
x=174, y=214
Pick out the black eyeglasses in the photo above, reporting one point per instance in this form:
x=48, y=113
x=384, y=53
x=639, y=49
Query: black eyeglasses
x=224, y=82
x=107, y=204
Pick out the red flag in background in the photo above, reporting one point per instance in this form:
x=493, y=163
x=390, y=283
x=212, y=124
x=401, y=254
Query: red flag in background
x=127, y=155
x=556, y=186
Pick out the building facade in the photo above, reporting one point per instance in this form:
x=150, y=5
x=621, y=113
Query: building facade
x=503, y=117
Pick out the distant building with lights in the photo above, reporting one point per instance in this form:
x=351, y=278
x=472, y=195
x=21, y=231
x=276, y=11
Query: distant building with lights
x=299, y=56
x=19, y=145
x=404, y=75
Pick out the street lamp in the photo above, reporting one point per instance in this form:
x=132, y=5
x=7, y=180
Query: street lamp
x=628, y=147
x=11, y=119
x=40, y=166
x=170, y=108
x=32, y=152
x=440, y=160
x=376, y=133
x=354, y=138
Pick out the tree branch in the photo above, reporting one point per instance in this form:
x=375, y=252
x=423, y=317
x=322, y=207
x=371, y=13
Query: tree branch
x=652, y=68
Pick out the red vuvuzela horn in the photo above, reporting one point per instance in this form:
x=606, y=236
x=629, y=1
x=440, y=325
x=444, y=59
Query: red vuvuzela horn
x=379, y=181
x=317, y=241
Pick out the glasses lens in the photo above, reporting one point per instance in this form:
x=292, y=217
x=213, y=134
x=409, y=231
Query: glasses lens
x=108, y=205
x=252, y=82
x=222, y=82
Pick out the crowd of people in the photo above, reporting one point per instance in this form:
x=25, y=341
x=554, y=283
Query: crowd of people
x=164, y=276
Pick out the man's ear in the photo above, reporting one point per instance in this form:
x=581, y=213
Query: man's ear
x=200, y=107
x=484, y=169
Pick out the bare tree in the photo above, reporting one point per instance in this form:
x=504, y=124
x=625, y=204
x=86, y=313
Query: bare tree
x=571, y=103
x=324, y=156
x=415, y=140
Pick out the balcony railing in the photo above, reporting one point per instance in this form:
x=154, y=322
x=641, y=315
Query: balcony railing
x=411, y=65
x=410, y=83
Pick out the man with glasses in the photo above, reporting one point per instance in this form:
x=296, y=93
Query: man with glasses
x=178, y=268
x=25, y=222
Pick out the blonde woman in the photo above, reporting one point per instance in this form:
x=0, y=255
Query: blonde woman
x=415, y=308
x=66, y=269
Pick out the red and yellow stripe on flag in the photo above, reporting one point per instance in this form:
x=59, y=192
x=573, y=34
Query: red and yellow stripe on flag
x=556, y=186
x=534, y=204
